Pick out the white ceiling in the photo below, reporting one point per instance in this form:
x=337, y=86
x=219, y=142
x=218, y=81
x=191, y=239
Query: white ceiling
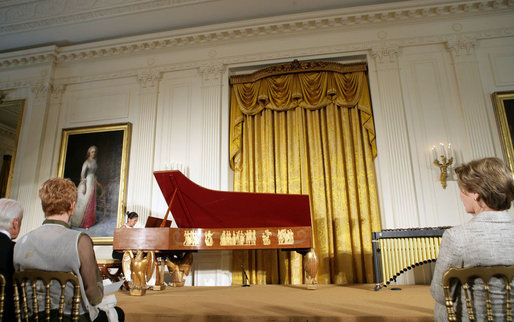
x=34, y=23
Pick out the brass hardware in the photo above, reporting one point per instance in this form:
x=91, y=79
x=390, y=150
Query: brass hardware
x=468, y=275
x=443, y=166
x=444, y=161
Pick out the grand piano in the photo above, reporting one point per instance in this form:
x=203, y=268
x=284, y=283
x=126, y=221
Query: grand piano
x=214, y=220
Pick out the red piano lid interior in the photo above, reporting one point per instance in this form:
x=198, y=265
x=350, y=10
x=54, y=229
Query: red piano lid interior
x=197, y=207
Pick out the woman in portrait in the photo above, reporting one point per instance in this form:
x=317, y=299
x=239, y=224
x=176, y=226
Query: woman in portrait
x=85, y=209
x=487, y=191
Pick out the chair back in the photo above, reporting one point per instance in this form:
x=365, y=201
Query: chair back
x=39, y=279
x=2, y=296
x=467, y=277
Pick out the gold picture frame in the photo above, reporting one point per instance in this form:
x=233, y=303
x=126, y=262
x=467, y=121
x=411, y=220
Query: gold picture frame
x=504, y=106
x=11, y=110
x=95, y=158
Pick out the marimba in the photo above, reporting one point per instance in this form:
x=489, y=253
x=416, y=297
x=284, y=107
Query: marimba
x=396, y=251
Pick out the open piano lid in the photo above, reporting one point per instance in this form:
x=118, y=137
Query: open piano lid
x=197, y=207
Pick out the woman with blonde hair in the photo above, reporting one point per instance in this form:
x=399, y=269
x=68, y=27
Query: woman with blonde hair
x=487, y=192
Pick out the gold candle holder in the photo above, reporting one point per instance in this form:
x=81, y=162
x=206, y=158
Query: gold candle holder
x=443, y=162
x=443, y=166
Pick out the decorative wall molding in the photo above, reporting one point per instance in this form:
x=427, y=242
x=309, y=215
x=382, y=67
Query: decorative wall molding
x=149, y=78
x=211, y=73
x=16, y=84
x=42, y=55
x=19, y=15
x=385, y=54
x=41, y=88
x=241, y=30
x=461, y=47
x=57, y=91
x=379, y=49
x=32, y=15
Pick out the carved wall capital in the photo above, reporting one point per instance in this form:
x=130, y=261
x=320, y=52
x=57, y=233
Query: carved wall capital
x=149, y=78
x=41, y=88
x=212, y=73
x=56, y=91
x=385, y=55
x=460, y=48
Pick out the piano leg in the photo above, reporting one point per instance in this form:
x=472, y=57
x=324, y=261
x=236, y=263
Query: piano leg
x=159, y=275
x=310, y=264
x=180, y=266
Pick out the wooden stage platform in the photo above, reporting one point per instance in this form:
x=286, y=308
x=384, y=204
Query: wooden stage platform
x=357, y=302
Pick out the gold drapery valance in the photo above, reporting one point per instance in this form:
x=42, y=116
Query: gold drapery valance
x=308, y=85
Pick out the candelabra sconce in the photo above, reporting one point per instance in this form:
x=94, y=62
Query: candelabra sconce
x=442, y=157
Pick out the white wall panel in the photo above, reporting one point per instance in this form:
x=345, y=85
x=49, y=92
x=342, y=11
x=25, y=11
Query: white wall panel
x=172, y=133
x=142, y=150
x=502, y=66
x=394, y=160
x=495, y=56
x=99, y=102
x=433, y=115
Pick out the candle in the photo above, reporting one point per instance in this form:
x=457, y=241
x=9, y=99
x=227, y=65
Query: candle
x=434, y=153
x=442, y=150
x=450, y=150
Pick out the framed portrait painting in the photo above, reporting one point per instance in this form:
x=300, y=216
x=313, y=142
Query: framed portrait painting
x=95, y=158
x=504, y=106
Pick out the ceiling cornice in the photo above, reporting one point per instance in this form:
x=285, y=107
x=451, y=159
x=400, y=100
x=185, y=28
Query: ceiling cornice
x=26, y=15
x=250, y=29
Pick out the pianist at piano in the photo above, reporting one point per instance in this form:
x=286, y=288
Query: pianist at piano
x=208, y=220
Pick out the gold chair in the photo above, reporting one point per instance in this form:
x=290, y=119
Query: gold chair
x=30, y=278
x=2, y=296
x=469, y=274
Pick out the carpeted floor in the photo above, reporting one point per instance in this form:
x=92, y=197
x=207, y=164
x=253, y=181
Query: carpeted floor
x=357, y=302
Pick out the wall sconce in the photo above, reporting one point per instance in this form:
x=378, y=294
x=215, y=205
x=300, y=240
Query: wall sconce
x=443, y=158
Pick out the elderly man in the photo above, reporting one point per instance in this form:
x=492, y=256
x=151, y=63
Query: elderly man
x=11, y=215
x=56, y=247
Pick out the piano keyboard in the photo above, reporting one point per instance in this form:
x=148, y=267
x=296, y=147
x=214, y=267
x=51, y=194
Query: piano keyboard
x=396, y=251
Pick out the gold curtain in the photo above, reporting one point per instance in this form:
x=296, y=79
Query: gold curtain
x=309, y=131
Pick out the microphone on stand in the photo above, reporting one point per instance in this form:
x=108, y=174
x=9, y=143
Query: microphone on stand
x=245, y=277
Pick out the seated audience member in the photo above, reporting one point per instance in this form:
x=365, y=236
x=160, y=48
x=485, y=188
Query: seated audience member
x=487, y=191
x=11, y=215
x=132, y=218
x=56, y=247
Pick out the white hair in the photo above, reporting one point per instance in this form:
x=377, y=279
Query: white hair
x=9, y=210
